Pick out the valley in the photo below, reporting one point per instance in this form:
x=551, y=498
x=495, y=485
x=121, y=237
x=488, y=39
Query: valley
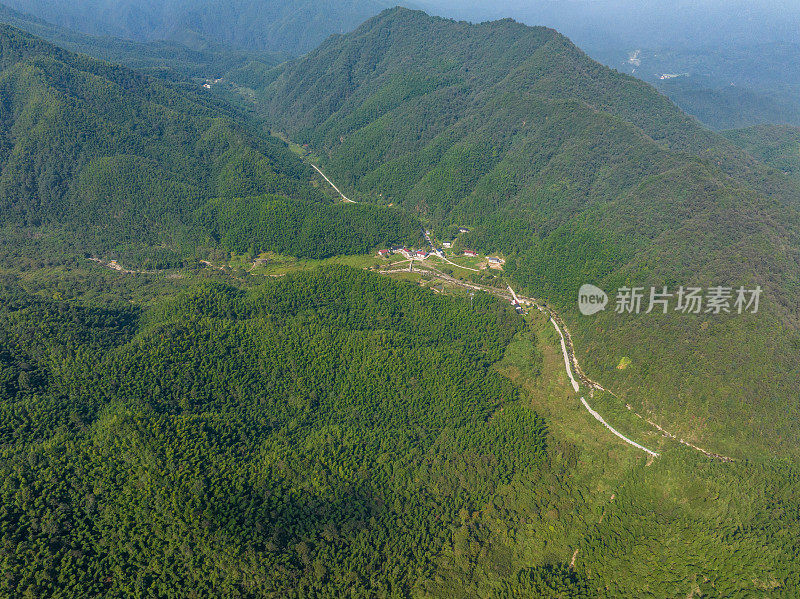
x=312, y=331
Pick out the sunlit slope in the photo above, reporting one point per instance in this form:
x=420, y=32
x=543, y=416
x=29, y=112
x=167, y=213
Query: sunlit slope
x=112, y=156
x=580, y=175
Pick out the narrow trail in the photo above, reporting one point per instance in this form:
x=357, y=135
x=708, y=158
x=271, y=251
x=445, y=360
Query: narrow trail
x=459, y=266
x=344, y=197
x=570, y=360
x=577, y=388
x=114, y=265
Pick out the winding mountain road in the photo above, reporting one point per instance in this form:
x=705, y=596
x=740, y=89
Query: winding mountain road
x=570, y=361
x=567, y=347
x=324, y=176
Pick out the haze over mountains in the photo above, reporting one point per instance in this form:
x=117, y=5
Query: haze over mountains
x=735, y=64
x=691, y=24
x=275, y=25
x=162, y=58
x=730, y=64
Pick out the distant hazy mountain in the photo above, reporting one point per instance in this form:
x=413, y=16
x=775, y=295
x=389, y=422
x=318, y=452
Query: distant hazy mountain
x=686, y=24
x=293, y=26
x=693, y=39
x=579, y=174
x=738, y=60
x=163, y=58
x=725, y=84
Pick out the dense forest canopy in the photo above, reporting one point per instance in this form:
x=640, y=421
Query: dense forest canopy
x=775, y=145
x=339, y=434
x=317, y=431
x=582, y=175
x=116, y=157
x=271, y=425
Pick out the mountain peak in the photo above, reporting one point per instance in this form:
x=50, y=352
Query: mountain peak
x=548, y=155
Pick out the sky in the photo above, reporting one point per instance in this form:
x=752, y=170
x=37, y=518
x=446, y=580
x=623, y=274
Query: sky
x=647, y=23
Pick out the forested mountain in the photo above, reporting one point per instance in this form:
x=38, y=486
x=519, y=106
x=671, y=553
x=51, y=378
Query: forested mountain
x=273, y=25
x=730, y=106
x=307, y=435
x=288, y=427
x=101, y=155
x=162, y=58
x=730, y=63
x=579, y=174
x=726, y=84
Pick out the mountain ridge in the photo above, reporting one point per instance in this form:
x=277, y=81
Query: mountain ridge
x=118, y=157
x=166, y=59
x=578, y=174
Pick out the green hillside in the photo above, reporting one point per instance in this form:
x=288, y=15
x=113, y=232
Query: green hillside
x=338, y=434
x=729, y=106
x=273, y=423
x=307, y=435
x=578, y=174
x=95, y=156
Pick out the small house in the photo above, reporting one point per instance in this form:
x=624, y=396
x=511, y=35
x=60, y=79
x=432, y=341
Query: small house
x=447, y=245
x=384, y=253
x=463, y=230
x=470, y=253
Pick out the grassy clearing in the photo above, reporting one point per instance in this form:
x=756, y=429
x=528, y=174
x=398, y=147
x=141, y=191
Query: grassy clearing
x=272, y=264
x=467, y=261
x=551, y=394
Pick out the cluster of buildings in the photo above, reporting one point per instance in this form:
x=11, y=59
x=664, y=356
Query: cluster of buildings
x=420, y=254
x=449, y=244
x=410, y=253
